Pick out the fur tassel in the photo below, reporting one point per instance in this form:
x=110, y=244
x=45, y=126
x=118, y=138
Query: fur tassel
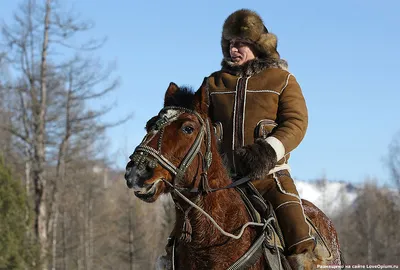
x=204, y=183
x=186, y=235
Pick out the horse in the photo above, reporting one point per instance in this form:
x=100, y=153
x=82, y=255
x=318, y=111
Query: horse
x=179, y=156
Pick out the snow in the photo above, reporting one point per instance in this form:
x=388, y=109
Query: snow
x=329, y=196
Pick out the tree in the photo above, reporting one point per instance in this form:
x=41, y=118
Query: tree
x=394, y=160
x=17, y=250
x=368, y=229
x=49, y=119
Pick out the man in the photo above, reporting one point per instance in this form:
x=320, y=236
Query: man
x=259, y=108
x=259, y=112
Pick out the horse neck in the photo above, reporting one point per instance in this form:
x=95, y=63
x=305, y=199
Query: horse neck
x=224, y=206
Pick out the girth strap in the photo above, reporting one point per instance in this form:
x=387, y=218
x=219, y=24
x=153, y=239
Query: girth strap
x=251, y=256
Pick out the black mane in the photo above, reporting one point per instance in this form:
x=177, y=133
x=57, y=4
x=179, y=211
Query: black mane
x=184, y=97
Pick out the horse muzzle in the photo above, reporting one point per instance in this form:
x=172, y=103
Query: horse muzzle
x=139, y=169
x=137, y=179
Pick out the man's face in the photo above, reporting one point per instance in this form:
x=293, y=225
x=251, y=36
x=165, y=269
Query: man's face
x=240, y=52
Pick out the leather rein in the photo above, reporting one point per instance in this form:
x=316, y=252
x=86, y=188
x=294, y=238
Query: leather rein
x=141, y=157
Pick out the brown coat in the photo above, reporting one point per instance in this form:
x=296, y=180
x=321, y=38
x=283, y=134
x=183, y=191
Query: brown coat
x=259, y=99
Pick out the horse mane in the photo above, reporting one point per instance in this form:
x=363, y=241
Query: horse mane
x=184, y=97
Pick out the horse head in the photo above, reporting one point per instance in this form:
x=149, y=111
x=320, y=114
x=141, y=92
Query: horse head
x=176, y=151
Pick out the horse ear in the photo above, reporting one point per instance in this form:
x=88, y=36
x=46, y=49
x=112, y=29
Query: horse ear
x=201, y=97
x=172, y=89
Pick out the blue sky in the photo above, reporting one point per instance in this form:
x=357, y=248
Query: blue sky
x=344, y=54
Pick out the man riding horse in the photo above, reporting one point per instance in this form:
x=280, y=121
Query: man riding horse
x=260, y=116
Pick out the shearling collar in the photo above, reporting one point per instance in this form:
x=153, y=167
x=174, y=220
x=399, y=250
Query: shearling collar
x=252, y=67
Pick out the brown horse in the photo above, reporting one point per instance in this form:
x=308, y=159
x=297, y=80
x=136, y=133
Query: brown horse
x=179, y=156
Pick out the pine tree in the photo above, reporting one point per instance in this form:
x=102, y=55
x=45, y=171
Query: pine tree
x=16, y=248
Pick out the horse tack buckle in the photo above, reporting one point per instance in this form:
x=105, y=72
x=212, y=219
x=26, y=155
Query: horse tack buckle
x=142, y=160
x=160, y=123
x=165, y=117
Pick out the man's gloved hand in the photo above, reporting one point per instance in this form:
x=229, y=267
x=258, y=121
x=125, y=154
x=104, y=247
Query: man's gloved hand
x=255, y=160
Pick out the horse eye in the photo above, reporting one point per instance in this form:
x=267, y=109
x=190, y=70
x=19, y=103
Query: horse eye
x=187, y=129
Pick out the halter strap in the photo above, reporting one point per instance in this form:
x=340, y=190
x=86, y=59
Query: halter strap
x=179, y=171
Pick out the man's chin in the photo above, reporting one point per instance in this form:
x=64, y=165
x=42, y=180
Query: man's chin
x=238, y=63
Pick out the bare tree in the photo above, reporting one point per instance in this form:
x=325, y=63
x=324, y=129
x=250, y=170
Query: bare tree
x=368, y=229
x=394, y=160
x=35, y=85
x=50, y=120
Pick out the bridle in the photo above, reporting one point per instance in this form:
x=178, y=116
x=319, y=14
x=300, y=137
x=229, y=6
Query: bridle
x=141, y=158
x=166, y=116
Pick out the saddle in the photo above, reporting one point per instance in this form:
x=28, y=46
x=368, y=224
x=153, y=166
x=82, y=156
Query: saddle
x=273, y=246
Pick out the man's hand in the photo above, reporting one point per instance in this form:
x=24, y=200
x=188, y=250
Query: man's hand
x=255, y=160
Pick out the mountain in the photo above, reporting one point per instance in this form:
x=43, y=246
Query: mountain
x=329, y=196
x=332, y=196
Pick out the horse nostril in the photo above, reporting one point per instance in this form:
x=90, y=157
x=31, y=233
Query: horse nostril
x=148, y=172
x=139, y=169
x=130, y=174
x=129, y=183
x=127, y=173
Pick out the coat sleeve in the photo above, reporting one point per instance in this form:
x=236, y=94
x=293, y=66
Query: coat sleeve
x=292, y=119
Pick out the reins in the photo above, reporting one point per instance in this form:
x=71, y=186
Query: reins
x=213, y=220
x=141, y=152
x=231, y=185
x=251, y=252
x=140, y=156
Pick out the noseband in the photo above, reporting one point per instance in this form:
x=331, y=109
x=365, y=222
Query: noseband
x=166, y=116
x=141, y=157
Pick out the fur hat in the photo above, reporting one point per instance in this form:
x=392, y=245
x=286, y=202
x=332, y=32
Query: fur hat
x=247, y=25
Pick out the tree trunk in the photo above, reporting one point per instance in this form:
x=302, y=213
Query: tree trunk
x=80, y=254
x=54, y=242
x=64, y=241
x=39, y=149
x=90, y=231
x=60, y=169
x=60, y=176
x=28, y=177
